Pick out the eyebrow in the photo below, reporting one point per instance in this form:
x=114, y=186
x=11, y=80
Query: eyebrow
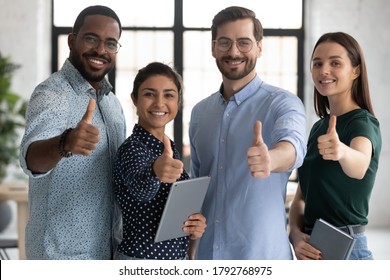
x=94, y=34
x=170, y=90
x=165, y=90
x=226, y=38
x=332, y=57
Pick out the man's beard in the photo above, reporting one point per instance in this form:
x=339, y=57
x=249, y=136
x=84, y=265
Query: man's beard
x=235, y=74
x=89, y=76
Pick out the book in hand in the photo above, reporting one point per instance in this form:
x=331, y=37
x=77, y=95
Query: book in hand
x=334, y=243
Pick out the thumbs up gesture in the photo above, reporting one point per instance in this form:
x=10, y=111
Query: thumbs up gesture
x=85, y=137
x=329, y=145
x=259, y=160
x=166, y=168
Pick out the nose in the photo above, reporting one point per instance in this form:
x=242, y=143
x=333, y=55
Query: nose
x=234, y=49
x=100, y=48
x=159, y=100
x=325, y=69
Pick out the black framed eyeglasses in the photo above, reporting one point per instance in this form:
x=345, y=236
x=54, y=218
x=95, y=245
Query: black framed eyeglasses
x=93, y=41
x=243, y=44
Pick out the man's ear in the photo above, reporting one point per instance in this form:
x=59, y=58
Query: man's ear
x=71, y=40
x=259, y=45
x=213, y=48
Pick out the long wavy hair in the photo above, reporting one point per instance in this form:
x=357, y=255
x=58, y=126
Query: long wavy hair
x=360, y=90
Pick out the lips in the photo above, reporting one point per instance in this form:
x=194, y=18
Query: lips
x=328, y=81
x=159, y=114
x=96, y=61
x=234, y=61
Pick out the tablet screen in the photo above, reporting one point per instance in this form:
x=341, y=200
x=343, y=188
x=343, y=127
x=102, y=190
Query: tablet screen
x=185, y=198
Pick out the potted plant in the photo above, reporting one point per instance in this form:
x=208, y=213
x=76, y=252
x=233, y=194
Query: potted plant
x=12, y=117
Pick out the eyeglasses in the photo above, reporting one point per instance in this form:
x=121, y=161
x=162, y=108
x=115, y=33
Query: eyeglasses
x=93, y=41
x=244, y=44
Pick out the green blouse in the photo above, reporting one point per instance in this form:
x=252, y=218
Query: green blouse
x=327, y=191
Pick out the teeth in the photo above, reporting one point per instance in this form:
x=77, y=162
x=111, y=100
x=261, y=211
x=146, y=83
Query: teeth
x=158, y=113
x=235, y=62
x=327, y=81
x=95, y=61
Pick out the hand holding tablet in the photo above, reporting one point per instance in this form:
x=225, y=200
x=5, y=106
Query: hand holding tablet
x=185, y=198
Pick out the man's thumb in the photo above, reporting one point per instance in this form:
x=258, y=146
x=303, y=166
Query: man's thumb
x=88, y=116
x=167, y=146
x=257, y=137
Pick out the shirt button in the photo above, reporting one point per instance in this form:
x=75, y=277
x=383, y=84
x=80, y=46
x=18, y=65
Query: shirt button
x=216, y=247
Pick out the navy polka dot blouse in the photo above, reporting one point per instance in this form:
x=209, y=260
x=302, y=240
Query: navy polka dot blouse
x=142, y=198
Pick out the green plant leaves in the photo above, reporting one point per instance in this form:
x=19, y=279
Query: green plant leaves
x=12, y=116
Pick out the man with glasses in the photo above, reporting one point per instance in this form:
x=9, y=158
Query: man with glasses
x=248, y=137
x=75, y=125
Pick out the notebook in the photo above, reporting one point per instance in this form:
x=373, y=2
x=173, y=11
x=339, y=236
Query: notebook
x=334, y=243
x=184, y=199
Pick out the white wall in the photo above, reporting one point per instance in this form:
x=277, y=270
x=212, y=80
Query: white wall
x=25, y=36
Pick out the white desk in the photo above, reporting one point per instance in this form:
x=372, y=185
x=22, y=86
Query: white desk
x=18, y=192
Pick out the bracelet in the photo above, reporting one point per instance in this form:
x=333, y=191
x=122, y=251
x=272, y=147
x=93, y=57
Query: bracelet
x=61, y=144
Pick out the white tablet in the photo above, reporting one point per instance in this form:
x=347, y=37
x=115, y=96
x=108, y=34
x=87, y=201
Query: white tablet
x=185, y=198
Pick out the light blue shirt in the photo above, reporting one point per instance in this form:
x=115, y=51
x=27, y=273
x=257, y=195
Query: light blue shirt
x=72, y=205
x=246, y=217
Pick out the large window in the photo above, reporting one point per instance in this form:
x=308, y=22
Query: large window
x=177, y=32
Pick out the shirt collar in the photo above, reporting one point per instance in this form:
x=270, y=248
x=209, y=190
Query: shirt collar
x=140, y=132
x=246, y=92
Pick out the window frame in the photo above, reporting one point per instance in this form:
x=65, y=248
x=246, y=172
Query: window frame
x=178, y=30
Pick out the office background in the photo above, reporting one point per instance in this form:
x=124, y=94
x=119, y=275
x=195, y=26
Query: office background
x=25, y=32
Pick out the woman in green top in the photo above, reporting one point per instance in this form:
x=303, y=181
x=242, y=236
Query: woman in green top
x=338, y=173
